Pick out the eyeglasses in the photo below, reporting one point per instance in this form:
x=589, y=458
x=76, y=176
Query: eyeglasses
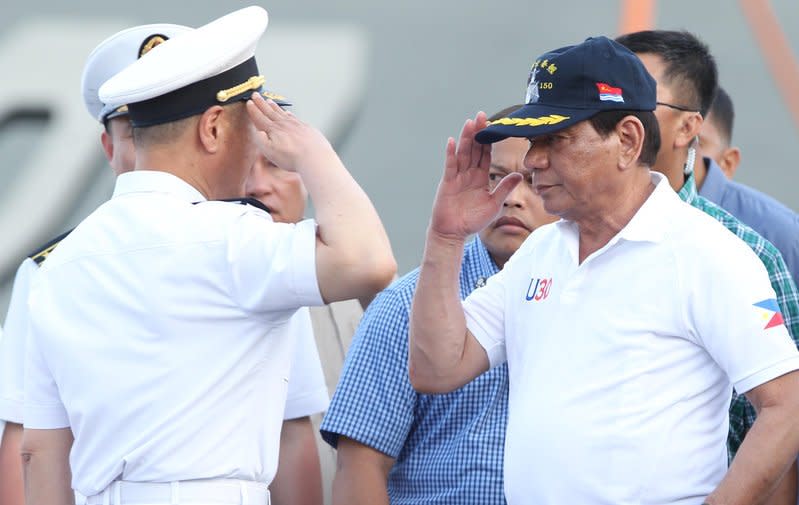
x=677, y=107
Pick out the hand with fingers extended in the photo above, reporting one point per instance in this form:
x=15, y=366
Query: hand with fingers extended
x=286, y=141
x=464, y=205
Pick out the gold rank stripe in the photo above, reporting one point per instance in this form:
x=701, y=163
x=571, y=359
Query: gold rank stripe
x=42, y=255
x=44, y=251
x=530, y=121
x=251, y=83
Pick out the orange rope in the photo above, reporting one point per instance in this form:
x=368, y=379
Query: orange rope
x=636, y=15
x=776, y=51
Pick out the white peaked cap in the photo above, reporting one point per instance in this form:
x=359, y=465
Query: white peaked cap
x=195, y=56
x=114, y=54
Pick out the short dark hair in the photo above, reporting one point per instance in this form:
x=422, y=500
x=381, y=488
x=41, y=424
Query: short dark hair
x=167, y=133
x=606, y=121
x=504, y=112
x=164, y=133
x=108, y=122
x=688, y=61
x=722, y=114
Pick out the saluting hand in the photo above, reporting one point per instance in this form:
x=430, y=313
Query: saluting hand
x=464, y=205
x=286, y=141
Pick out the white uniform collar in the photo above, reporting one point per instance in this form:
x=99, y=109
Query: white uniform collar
x=153, y=181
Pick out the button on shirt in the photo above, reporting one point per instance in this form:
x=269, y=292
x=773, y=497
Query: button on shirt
x=448, y=448
x=159, y=334
x=770, y=218
x=619, y=365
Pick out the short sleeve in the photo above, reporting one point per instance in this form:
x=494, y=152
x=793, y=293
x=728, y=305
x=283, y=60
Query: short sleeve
x=12, y=346
x=738, y=320
x=273, y=265
x=484, y=309
x=307, y=391
x=43, y=408
x=374, y=401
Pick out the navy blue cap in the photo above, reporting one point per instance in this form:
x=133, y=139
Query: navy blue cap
x=574, y=83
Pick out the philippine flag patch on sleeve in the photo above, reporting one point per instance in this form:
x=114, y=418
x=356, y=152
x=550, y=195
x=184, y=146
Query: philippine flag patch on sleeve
x=769, y=313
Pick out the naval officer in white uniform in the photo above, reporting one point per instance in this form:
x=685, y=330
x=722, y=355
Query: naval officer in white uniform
x=176, y=306
x=299, y=475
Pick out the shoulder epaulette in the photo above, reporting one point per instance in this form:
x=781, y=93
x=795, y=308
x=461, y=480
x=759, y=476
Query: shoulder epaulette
x=244, y=201
x=41, y=253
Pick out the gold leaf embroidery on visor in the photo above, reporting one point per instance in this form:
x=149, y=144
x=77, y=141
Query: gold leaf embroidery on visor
x=530, y=121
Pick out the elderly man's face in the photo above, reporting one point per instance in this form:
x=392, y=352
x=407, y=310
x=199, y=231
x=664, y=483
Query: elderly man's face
x=573, y=170
x=280, y=190
x=523, y=210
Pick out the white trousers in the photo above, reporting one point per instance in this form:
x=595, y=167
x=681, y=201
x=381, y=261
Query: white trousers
x=187, y=492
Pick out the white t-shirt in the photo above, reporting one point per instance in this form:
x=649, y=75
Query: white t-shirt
x=160, y=332
x=621, y=368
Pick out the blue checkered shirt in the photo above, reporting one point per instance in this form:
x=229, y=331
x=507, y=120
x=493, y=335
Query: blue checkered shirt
x=448, y=448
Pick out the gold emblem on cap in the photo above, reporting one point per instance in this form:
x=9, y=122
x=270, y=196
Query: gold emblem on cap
x=273, y=96
x=123, y=109
x=530, y=121
x=251, y=83
x=150, y=42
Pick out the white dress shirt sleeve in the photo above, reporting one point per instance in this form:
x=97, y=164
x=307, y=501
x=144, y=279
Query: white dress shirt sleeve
x=12, y=346
x=307, y=391
x=43, y=408
x=273, y=265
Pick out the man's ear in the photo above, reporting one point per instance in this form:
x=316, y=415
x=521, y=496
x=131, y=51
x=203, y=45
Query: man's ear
x=630, y=131
x=687, y=128
x=209, y=129
x=108, y=145
x=729, y=160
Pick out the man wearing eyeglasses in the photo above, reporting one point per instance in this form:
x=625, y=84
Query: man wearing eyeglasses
x=687, y=79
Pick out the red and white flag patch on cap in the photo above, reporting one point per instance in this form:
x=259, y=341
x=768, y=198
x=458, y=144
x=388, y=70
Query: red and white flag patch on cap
x=608, y=93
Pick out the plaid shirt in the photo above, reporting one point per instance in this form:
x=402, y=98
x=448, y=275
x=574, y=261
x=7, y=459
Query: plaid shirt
x=742, y=414
x=448, y=448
